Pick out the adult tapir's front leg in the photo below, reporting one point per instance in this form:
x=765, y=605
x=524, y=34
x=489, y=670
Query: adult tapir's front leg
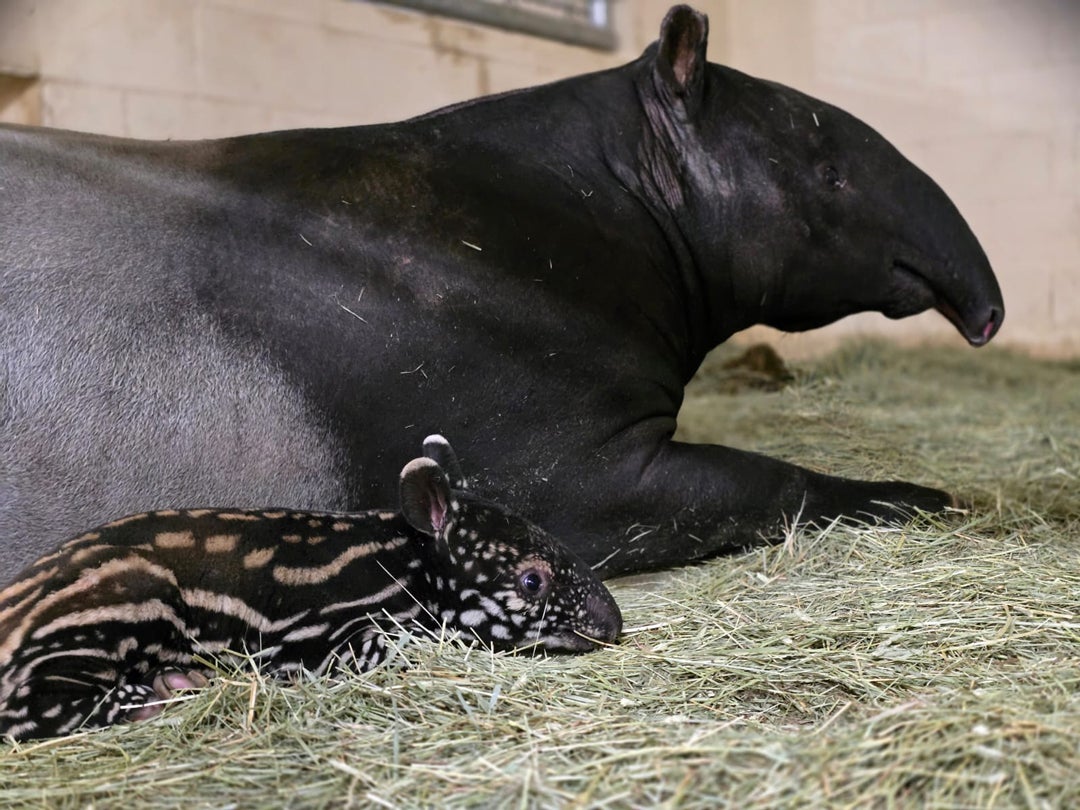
x=691, y=501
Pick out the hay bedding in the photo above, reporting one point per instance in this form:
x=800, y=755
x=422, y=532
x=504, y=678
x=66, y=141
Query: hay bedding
x=932, y=665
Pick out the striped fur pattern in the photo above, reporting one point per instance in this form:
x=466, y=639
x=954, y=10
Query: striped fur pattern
x=102, y=629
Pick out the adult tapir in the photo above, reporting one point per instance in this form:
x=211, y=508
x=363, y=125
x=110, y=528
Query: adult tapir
x=277, y=319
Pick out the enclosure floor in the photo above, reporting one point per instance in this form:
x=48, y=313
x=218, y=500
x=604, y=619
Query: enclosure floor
x=930, y=665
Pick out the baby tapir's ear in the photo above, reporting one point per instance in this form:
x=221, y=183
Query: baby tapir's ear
x=439, y=450
x=425, y=496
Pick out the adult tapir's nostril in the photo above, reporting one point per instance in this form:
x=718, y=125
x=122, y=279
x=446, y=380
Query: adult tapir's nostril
x=990, y=328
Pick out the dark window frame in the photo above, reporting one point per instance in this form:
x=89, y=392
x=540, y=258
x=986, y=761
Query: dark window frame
x=511, y=16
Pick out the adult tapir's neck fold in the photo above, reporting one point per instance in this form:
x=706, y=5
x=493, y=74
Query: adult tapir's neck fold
x=593, y=195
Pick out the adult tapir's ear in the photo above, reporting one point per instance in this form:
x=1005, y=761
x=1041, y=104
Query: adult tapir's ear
x=680, y=55
x=425, y=496
x=439, y=450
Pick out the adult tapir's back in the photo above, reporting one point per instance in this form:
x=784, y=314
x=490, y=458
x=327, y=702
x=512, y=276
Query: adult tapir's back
x=265, y=319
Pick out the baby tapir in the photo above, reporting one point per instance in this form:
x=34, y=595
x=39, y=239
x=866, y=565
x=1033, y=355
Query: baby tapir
x=116, y=619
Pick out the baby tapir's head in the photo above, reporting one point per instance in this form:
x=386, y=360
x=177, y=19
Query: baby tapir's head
x=500, y=578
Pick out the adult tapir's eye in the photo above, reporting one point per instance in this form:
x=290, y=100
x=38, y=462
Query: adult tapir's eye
x=833, y=178
x=532, y=582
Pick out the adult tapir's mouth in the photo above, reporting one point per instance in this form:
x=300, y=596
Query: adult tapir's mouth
x=967, y=308
x=977, y=330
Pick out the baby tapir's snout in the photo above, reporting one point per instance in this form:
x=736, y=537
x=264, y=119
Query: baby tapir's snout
x=605, y=618
x=600, y=623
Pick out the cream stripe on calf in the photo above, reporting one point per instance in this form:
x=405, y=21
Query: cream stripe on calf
x=221, y=543
x=174, y=540
x=316, y=575
x=239, y=609
x=128, y=613
x=304, y=633
x=88, y=581
x=376, y=598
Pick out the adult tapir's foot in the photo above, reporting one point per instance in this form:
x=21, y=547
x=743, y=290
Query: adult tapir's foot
x=692, y=501
x=827, y=498
x=164, y=685
x=890, y=501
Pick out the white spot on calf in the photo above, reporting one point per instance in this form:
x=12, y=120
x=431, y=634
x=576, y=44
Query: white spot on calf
x=303, y=633
x=472, y=618
x=221, y=543
x=174, y=540
x=259, y=557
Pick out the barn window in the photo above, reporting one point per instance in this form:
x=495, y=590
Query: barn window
x=578, y=22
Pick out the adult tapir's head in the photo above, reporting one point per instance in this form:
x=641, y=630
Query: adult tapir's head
x=795, y=213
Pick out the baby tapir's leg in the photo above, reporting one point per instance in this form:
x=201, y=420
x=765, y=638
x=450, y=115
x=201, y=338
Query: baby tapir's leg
x=165, y=683
x=66, y=691
x=88, y=670
x=72, y=691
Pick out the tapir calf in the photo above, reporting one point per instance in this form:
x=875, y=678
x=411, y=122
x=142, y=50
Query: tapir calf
x=279, y=318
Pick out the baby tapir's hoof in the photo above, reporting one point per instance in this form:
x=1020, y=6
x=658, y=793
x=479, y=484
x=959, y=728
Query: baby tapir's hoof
x=165, y=684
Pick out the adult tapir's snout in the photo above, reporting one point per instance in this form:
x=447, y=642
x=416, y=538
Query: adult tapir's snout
x=939, y=262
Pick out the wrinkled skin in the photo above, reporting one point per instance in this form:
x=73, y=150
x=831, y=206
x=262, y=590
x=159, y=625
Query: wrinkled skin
x=276, y=319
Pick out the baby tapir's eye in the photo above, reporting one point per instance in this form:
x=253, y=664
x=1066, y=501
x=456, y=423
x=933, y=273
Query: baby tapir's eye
x=532, y=582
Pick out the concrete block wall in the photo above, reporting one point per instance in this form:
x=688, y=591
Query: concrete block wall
x=982, y=94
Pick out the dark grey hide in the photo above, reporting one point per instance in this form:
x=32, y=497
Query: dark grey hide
x=278, y=318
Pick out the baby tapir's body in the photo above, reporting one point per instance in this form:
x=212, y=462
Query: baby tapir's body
x=117, y=617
